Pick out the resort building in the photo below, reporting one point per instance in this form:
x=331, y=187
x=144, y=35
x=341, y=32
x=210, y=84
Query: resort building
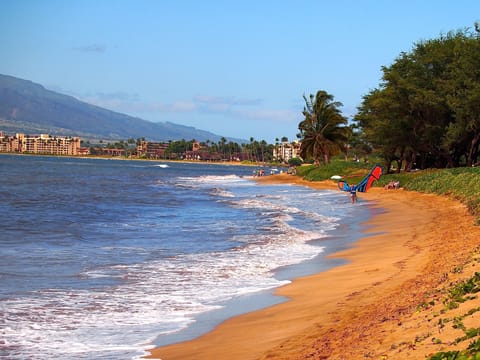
x=286, y=151
x=153, y=150
x=112, y=152
x=40, y=144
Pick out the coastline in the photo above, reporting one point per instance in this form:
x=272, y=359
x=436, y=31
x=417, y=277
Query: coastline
x=364, y=308
x=119, y=158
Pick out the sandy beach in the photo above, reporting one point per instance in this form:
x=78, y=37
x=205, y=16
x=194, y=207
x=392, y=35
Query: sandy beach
x=385, y=303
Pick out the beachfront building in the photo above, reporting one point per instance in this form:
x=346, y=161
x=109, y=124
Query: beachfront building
x=203, y=153
x=8, y=143
x=113, y=152
x=39, y=144
x=152, y=150
x=285, y=151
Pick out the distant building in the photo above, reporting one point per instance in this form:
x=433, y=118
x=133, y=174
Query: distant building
x=40, y=144
x=153, y=150
x=285, y=151
x=112, y=152
x=84, y=151
x=196, y=146
x=198, y=152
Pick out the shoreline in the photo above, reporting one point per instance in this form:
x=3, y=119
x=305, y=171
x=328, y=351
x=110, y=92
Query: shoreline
x=331, y=241
x=358, y=309
x=119, y=158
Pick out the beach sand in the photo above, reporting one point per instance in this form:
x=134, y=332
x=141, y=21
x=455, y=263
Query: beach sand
x=384, y=303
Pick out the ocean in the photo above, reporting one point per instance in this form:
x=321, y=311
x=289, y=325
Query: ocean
x=104, y=259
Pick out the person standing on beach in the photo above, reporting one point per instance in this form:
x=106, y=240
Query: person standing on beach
x=353, y=193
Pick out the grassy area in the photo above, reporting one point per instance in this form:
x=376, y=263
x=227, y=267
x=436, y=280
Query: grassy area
x=462, y=184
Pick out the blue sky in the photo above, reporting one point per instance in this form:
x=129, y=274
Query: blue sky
x=235, y=68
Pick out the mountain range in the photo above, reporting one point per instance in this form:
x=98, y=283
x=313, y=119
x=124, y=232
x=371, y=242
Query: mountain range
x=30, y=108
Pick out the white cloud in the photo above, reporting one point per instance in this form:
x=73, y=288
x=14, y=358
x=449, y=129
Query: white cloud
x=229, y=107
x=117, y=96
x=226, y=101
x=178, y=106
x=269, y=114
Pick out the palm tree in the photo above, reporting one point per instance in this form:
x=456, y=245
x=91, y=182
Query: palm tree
x=276, y=150
x=253, y=148
x=221, y=145
x=321, y=132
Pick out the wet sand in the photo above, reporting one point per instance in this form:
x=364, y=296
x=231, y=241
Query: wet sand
x=367, y=308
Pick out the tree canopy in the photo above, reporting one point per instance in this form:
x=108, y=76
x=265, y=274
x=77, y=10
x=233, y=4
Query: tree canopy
x=426, y=111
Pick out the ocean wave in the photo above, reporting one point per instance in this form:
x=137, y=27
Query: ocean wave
x=172, y=289
x=212, y=179
x=221, y=192
x=145, y=253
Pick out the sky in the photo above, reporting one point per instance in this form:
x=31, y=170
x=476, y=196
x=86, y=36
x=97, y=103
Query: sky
x=236, y=68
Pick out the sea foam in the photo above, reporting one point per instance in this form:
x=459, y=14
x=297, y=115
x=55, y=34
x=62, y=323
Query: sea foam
x=172, y=247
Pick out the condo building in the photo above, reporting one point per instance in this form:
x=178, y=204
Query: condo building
x=286, y=151
x=39, y=144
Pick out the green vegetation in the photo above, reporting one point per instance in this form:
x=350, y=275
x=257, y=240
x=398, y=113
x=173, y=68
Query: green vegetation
x=352, y=171
x=223, y=150
x=459, y=293
x=454, y=355
x=323, y=130
x=471, y=353
x=462, y=184
x=426, y=112
x=295, y=161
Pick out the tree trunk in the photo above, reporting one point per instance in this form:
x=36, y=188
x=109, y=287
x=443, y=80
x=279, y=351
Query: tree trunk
x=473, y=150
x=326, y=158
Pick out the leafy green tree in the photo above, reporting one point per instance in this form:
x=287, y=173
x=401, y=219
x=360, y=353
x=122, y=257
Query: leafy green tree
x=175, y=149
x=295, y=161
x=462, y=88
x=323, y=132
x=426, y=111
